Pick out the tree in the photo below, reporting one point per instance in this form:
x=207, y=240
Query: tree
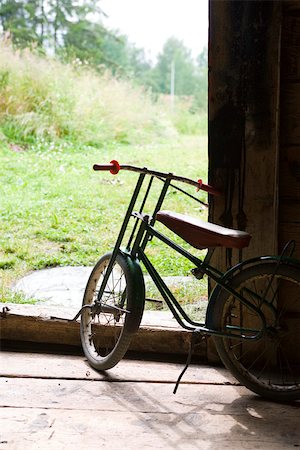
x=43, y=22
x=123, y=57
x=14, y=17
x=201, y=89
x=92, y=43
x=62, y=14
x=83, y=40
x=174, y=52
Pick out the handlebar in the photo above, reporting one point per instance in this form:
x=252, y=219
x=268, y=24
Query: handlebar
x=114, y=167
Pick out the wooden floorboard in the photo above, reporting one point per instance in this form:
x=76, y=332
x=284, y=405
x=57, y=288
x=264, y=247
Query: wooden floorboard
x=59, y=402
x=76, y=367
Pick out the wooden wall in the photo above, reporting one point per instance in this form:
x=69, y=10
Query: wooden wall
x=254, y=124
x=289, y=168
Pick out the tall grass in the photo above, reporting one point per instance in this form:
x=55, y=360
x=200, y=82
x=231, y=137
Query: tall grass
x=43, y=98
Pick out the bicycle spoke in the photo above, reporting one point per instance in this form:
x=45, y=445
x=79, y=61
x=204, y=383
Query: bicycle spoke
x=269, y=365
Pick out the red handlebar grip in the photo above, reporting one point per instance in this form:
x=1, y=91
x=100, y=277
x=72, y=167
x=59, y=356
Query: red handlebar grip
x=207, y=188
x=113, y=167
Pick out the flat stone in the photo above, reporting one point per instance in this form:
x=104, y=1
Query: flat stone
x=56, y=286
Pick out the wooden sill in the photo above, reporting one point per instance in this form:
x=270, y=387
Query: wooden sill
x=158, y=334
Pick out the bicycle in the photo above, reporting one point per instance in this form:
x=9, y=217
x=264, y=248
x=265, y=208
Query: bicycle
x=252, y=323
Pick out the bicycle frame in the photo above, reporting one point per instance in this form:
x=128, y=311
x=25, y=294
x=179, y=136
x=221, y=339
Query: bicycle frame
x=143, y=231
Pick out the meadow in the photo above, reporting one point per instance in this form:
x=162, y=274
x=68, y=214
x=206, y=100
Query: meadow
x=56, y=121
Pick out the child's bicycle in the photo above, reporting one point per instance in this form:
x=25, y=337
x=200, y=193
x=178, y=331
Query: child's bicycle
x=253, y=311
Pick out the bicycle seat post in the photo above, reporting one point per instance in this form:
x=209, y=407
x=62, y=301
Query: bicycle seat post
x=198, y=271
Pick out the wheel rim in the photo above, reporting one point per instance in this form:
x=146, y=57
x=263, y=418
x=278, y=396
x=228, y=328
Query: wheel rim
x=102, y=330
x=272, y=362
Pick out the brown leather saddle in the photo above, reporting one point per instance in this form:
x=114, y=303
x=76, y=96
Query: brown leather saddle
x=202, y=234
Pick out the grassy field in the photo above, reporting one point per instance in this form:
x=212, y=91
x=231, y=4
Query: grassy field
x=56, y=211
x=56, y=121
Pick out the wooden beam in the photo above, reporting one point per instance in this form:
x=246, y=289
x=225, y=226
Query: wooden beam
x=243, y=105
x=289, y=177
x=244, y=43
x=159, y=334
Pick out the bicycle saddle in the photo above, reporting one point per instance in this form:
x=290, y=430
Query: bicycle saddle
x=202, y=234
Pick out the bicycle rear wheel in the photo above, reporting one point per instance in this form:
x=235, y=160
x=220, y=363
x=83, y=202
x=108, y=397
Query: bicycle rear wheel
x=108, y=324
x=269, y=366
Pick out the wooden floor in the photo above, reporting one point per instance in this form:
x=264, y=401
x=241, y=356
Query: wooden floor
x=59, y=402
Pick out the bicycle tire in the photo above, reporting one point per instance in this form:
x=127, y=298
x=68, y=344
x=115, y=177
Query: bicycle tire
x=106, y=336
x=269, y=366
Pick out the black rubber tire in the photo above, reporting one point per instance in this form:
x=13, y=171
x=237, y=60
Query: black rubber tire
x=270, y=366
x=105, y=337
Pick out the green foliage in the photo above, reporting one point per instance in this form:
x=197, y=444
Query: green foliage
x=42, y=22
x=16, y=18
x=190, y=79
x=8, y=296
x=84, y=40
x=102, y=49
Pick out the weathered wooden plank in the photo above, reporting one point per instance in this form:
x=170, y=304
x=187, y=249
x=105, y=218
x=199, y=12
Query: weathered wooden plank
x=289, y=211
x=150, y=318
x=291, y=7
x=289, y=175
x=35, y=365
x=41, y=414
x=290, y=114
x=39, y=327
x=291, y=62
x=244, y=92
x=290, y=33
x=289, y=180
x=17, y=327
x=290, y=231
x=243, y=122
x=39, y=429
x=106, y=395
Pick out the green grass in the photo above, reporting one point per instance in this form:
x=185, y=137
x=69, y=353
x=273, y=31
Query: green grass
x=56, y=211
x=191, y=293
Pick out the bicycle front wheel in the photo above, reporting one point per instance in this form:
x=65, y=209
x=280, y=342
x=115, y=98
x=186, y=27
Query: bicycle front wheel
x=109, y=323
x=270, y=365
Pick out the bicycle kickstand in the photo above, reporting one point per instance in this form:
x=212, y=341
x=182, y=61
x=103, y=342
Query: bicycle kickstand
x=193, y=343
